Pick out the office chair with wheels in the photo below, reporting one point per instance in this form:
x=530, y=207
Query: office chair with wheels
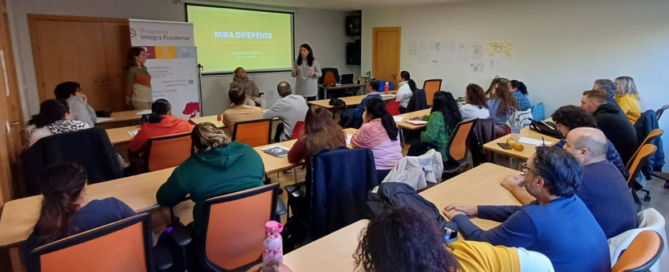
x=641, y=254
x=641, y=158
x=125, y=245
x=656, y=133
x=233, y=228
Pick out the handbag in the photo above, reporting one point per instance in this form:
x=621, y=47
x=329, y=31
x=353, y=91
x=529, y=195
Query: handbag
x=337, y=103
x=546, y=128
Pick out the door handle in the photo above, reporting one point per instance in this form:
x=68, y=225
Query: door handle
x=14, y=123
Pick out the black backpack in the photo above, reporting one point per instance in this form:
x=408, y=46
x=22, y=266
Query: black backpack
x=337, y=103
x=546, y=128
x=395, y=194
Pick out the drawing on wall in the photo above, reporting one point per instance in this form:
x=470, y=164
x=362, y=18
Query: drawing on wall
x=477, y=66
x=500, y=48
x=412, y=48
x=422, y=47
x=435, y=47
x=448, y=47
x=462, y=54
x=477, y=52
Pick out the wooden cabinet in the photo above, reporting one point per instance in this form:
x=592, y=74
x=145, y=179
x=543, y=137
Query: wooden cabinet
x=88, y=50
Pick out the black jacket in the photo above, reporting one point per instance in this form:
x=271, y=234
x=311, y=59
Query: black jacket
x=90, y=148
x=644, y=125
x=617, y=129
x=418, y=101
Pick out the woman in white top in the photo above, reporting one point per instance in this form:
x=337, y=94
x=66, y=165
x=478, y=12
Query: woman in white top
x=477, y=106
x=405, y=91
x=54, y=118
x=306, y=70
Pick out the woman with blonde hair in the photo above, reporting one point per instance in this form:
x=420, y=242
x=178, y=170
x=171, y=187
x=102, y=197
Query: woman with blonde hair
x=627, y=98
x=218, y=167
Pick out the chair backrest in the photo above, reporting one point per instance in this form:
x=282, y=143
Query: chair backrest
x=124, y=245
x=298, y=129
x=393, y=107
x=641, y=254
x=644, y=152
x=457, y=146
x=233, y=227
x=654, y=134
x=431, y=86
x=661, y=111
x=329, y=76
x=382, y=86
x=253, y=133
x=167, y=151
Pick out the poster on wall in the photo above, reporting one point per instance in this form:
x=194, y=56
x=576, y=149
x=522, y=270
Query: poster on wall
x=172, y=63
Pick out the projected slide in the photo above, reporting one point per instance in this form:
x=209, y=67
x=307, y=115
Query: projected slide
x=228, y=38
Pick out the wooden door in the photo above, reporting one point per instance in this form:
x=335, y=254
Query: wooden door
x=11, y=117
x=386, y=50
x=117, y=43
x=71, y=51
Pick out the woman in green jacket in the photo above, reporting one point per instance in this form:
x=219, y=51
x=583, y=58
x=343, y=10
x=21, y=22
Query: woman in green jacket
x=218, y=167
x=440, y=125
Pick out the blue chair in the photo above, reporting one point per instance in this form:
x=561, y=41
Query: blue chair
x=383, y=85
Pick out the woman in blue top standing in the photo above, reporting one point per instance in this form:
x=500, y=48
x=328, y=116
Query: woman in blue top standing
x=519, y=91
x=501, y=106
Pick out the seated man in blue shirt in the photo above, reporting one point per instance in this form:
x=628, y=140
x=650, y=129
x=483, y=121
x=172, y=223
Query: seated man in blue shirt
x=372, y=92
x=557, y=225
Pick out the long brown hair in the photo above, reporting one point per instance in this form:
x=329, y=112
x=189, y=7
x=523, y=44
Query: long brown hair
x=476, y=97
x=506, y=100
x=320, y=131
x=61, y=184
x=132, y=53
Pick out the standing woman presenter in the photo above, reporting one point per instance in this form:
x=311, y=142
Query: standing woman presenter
x=307, y=70
x=138, y=91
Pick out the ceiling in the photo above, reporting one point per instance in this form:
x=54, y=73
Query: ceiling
x=345, y=5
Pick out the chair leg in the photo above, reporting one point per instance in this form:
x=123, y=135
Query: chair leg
x=295, y=173
x=647, y=196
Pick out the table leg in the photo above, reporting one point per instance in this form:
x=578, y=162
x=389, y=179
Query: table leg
x=402, y=138
x=15, y=258
x=295, y=173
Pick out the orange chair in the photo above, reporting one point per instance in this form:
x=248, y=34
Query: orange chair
x=641, y=254
x=253, y=133
x=298, y=129
x=431, y=86
x=233, y=228
x=656, y=133
x=393, y=107
x=125, y=245
x=640, y=159
x=166, y=152
x=457, y=148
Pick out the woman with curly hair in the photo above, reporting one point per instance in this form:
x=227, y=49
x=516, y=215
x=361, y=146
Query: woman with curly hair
x=403, y=239
x=501, y=105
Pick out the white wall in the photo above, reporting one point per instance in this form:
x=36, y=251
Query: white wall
x=323, y=30
x=560, y=47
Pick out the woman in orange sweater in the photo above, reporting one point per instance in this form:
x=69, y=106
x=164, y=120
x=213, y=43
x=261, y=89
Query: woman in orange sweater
x=161, y=123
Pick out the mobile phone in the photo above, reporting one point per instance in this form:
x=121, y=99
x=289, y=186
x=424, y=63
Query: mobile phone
x=505, y=146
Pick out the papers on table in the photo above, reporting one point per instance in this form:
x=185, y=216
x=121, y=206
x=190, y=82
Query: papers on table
x=398, y=118
x=388, y=95
x=278, y=151
x=530, y=141
x=103, y=119
x=417, y=122
x=348, y=138
x=133, y=132
x=144, y=112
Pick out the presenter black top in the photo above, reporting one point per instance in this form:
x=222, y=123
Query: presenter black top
x=306, y=70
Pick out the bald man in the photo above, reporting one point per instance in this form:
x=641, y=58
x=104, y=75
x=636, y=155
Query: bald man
x=603, y=189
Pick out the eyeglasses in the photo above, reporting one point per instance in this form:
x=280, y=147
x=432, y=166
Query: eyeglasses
x=524, y=169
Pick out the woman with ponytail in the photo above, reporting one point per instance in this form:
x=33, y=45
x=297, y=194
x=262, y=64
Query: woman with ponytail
x=519, y=92
x=380, y=134
x=65, y=209
x=405, y=91
x=161, y=123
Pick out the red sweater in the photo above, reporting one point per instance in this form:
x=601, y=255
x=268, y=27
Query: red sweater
x=168, y=126
x=299, y=151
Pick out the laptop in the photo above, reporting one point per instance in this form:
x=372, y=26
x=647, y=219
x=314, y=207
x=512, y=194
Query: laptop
x=346, y=79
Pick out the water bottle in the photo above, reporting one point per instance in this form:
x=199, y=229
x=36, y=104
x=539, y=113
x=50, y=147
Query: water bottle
x=273, y=243
x=515, y=130
x=387, y=87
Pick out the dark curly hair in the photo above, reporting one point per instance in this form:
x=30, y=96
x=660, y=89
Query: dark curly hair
x=573, y=117
x=475, y=96
x=403, y=239
x=559, y=169
x=506, y=100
